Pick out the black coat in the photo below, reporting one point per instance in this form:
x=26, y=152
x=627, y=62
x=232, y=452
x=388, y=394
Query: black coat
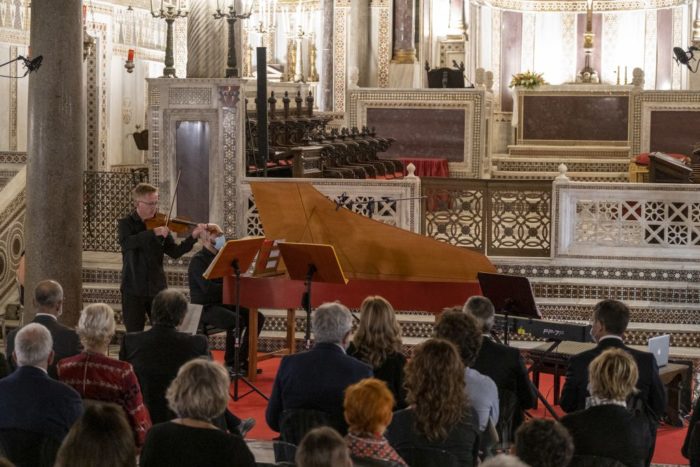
x=157, y=355
x=610, y=431
x=66, y=342
x=391, y=372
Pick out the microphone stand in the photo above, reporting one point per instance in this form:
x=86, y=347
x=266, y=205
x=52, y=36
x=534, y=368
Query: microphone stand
x=237, y=342
x=27, y=64
x=306, y=303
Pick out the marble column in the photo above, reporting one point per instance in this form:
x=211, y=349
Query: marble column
x=326, y=103
x=206, y=41
x=456, y=25
x=56, y=150
x=404, y=19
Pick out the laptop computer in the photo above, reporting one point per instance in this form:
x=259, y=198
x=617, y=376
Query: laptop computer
x=659, y=346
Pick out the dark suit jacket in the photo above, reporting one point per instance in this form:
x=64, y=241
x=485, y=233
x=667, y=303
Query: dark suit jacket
x=610, y=431
x=314, y=380
x=66, y=342
x=30, y=400
x=652, y=391
x=156, y=355
x=506, y=367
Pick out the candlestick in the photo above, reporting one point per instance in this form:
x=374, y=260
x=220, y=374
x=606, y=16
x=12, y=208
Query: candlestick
x=618, y=74
x=625, y=74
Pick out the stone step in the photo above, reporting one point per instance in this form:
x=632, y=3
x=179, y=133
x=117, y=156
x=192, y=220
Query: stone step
x=537, y=164
x=576, y=176
x=526, y=150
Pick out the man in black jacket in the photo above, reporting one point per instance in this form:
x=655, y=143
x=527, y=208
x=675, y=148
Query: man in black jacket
x=610, y=319
x=142, y=256
x=209, y=293
x=48, y=301
x=503, y=364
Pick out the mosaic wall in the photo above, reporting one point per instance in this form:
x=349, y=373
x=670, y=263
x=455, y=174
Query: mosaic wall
x=11, y=241
x=497, y=218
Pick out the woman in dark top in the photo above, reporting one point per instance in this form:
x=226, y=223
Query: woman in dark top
x=606, y=428
x=197, y=395
x=377, y=342
x=439, y=416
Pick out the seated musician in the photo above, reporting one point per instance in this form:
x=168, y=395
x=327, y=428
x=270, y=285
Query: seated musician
x=610, y=318
x=209, y=292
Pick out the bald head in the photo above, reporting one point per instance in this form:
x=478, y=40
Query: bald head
x=48, y=297
x=33, y=346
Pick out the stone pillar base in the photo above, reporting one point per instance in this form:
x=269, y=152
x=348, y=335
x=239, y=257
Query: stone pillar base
x=405, y=75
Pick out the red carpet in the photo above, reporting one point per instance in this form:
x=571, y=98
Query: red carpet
x=668, y=441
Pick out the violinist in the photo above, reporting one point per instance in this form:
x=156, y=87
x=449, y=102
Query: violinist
x=209, y=292
x=142, y=256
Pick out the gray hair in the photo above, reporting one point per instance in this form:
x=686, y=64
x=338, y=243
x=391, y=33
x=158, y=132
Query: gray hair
x=33, y=345
x=504, y=460
x=96, y=325
x=199, y=391
x=331, y=322
x=169, y=308
x=482, y=309
x=48, y=293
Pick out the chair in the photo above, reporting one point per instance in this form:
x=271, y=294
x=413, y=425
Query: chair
x=295, y=423
x=269, y=452
x=445, y=77
x=427, y=457
x=594, y=461
x=26, y=448
x=371, y=462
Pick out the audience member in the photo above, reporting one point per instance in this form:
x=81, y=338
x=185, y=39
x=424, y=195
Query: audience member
x=503, y=460
x=4, y=367
x=209, y=293
x=48, y=304
x=438, y=415
x=198, y=394
x=158, y=354
x=317, y=378
x=5, y=462
x=98, y=377
x=368, y=411
x=29, y=399
x=323, y=447
x=377, y=342
x=503, y=364
x=610, y=318
x=102, y=436
x=464, y=331
x=691, y=443
x=544, y=443
x=606, y=428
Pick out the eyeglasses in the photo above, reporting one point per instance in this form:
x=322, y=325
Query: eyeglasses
x=152, y=203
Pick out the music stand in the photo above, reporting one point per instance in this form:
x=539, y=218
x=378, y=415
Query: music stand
x=309, y=262
x=236, y=255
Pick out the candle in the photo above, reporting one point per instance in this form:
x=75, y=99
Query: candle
x=625, y=74
x=131, y=55
x=84, y=12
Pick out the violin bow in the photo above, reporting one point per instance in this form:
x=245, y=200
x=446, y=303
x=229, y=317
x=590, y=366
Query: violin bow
x=172, y=203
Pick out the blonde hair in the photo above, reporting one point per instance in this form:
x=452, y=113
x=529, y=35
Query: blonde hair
x=378, y=333
x=96, y=325
x=613, y=375
x=143, y=189
x=368, y=405
x=199, y=391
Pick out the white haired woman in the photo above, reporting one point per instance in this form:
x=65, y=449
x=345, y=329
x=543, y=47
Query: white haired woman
x=198, y=394
x=98, y=377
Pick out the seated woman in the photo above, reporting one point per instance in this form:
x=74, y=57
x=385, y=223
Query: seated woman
x=101, y=436
x=606, y=428
x=323, y=447
x=377, y=342
x=198, y=394
x=368, y=411
x=438, y=416
x=98, y=377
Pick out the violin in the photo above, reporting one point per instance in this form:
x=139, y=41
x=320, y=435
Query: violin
x=175, y=224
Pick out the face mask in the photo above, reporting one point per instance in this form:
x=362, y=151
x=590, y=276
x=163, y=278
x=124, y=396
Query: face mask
x=219, y=242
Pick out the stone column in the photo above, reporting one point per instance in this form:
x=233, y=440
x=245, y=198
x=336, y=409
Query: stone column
x=56, y=150
x=456, y=26
x=404, y=19
x=326, y=103
x=693, y=78
x=206, y=44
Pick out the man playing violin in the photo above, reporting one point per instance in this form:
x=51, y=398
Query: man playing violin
x=142, y=256
x=209, y=292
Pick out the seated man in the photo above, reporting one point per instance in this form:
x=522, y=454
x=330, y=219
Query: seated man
x=464, y=331
x=209, y=292
x=543, y=443
x=610, y=318
x=158, y=354
x=48, y=303
x=317, y=379
x=29, y=399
